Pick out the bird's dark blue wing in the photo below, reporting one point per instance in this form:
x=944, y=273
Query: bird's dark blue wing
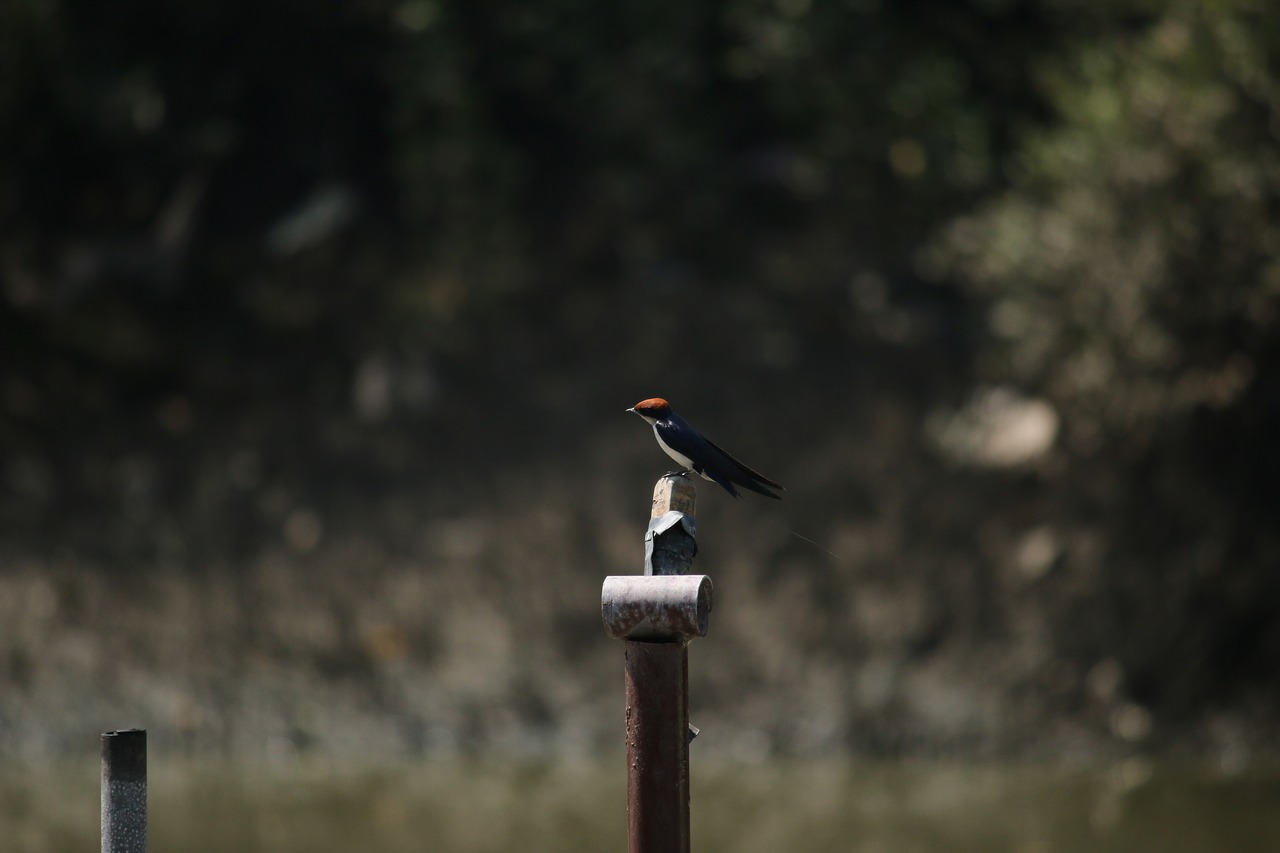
x=711, y=460
x=747, y=477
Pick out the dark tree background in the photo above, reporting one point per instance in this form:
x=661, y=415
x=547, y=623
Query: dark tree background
x=318, y=321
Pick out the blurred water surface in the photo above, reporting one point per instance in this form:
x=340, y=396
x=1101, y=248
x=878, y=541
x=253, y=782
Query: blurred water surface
x=1133, y=806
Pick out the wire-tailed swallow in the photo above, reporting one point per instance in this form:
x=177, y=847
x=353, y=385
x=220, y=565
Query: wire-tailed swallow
x=698, y=454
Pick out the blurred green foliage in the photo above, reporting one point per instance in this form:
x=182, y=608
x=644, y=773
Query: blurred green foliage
x=314, y=277
x=1129, y=275
x=1131, y=267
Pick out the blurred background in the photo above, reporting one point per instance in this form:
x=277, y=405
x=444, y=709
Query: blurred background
x=318, y=321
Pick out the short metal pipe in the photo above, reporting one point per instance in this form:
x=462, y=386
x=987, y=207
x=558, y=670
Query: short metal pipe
x=124, y=791
x=656, y=607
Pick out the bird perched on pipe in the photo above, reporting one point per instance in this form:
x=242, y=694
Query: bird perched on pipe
x=698, y=454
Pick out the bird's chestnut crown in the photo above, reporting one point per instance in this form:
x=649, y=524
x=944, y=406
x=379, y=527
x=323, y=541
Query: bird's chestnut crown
x=654, y=407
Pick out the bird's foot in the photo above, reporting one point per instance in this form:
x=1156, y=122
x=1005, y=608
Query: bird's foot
x=678, y=474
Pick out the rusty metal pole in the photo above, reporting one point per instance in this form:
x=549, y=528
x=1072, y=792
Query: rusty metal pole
x=657, y=614
x=124, y=791
x=657, y=747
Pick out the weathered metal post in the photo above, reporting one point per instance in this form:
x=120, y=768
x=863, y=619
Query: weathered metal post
x=124, y=791
x=657, y=614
